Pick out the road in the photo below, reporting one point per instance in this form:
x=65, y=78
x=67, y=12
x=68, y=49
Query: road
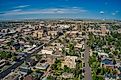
x=87, y=75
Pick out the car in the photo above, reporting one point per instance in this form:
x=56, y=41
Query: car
x=82, y=55
x=83, y=70
x=12, y=70
x=83, y=64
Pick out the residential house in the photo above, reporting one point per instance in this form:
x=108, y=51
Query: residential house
x=24, y=70
x=46, y=52
x=28, y=77
x=38, y=34
x=3, y=63
x=31, y=62
x=42, y=66
x=107, y=63
x=52, y=33
x=67, y=75
x=103, y=55
x=69, y=61
x=110, y=77
x=12, y=76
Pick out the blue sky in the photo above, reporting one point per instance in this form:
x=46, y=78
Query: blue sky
x=39, y=9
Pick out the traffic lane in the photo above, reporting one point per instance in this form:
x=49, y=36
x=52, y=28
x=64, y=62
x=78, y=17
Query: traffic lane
x=87, y=73
x=87, y=69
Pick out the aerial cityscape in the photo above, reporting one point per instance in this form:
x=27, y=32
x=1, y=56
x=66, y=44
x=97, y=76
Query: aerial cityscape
x=60, y=40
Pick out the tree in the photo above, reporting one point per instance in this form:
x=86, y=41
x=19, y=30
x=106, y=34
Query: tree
x=5, y=55
x=50, y=78
x=64, y=51
x=114, y=72
x=98, y=71
x=99, y=78
x=96, y=77
x=108, y=70
x=71, y=46
x=103, y=71
x=115, y=53
x=10, y=43
x=56, y=67
x=66, y=69
x=106, y=50
x=38, y=57
x=114, y=61
x=38, y=70
x=14, y=58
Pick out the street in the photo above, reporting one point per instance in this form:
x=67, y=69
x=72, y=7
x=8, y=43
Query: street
x=87, y=74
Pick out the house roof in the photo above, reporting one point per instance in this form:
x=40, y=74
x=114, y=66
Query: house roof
x=37, y=74
x=119, y=69
x=24, y=70
x=67, y=75
x=107, y=61
x=42, y=66
x=28, y=78
x=110, y=76
x=103, y=54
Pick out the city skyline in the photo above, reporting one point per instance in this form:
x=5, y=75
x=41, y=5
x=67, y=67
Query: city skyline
x=84, y=9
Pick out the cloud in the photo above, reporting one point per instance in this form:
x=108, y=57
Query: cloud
x=117, y=11
x=75, y=7
x=17, y=10
x=46, y=11
x=101, y=12
x=113, y=14
x=22, y=6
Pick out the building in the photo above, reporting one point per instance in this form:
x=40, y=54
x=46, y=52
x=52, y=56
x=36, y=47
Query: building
x=46, y=51
x=100, y=31
x=28, y=77
x=69, y=61
x=104, y=55
x=3, y=63
x=52, y=33
x=24, y=70
x=67, y=75
x=12, y=76
x=38, y=34
x=31, y=62
x=107, y=63
x=42, y=66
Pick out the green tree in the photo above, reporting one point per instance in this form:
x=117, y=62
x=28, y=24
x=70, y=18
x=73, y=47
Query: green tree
x=5, y=55
x=14, y=58
x=38, y=57
x=66, y=69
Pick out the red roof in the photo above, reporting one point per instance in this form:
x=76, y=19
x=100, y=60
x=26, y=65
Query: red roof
x=28, y=78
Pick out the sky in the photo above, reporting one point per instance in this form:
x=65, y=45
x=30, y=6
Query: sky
x=44, y=9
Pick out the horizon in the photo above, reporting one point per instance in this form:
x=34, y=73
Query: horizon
x=85, y=19
x=57, y=9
